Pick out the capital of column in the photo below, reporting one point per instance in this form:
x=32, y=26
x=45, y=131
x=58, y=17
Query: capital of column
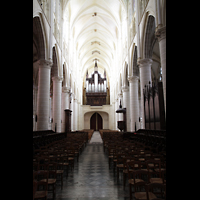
x=145, y=62
x=45, y=63
x=119, y=95
x=66, y=89
x=132, y=78
x=57, y=78
x=161, y=33
x=125, y=89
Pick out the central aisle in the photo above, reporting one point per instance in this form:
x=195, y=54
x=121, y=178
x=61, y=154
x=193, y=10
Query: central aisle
x=91, y=178
x=96, y=137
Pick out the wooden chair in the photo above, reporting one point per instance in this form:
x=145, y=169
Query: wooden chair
x=120, y=163
x=64, y=160
x=143, y=193
x=157, y=189
x=140, y=191
x=41, y=192
x=59, y=172
x=52, y=167
x=154, y=168
x=111, y=152
x=137, y=176
x=70, y=157
x=129, y=166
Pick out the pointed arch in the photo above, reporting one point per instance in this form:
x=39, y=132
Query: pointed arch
x=39, y=37
x=56, y=62
x=135, y=65
x=150, y=38
x=125, y=75
x=64, y=76
x=55, y=65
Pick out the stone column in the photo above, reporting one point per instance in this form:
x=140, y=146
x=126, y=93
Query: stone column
x=75, y=114
x=78, y=126
x=65, y=104
x=43, y=94
x=57, y=88
x=161, y=35
x=116, y=114
x=145, y=77
x=134, y=103
x=72, y=113
x=125, y=104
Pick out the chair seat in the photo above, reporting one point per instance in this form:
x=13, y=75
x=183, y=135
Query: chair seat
x=110, y=156
x=151, y=165
x=40, y=194
x=50, y=180
x=131, y=181
x=147, y=170
x=143, y=195
x=65, y=164
x=120, y=165
x=126, y=171
x=162, y=169
x=141, y=159
x=59, y=171
x=156, y=180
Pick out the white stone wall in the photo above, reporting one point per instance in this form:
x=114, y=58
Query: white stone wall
x=66, y=53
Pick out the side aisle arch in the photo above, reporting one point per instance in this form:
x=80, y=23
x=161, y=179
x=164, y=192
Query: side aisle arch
x=125, y=75
x=40, y=36
x=56, y=62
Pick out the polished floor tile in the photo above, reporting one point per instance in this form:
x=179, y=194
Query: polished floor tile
x=92, y=178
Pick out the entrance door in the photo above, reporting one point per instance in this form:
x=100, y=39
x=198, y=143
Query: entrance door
x=96, y=122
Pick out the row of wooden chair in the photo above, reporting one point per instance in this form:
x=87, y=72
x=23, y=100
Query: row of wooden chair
x=148, y=191
x=51, y=161
x=131, y=157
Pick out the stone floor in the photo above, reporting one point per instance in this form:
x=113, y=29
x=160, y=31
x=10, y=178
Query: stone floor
x=91, y=178
x=96, y=137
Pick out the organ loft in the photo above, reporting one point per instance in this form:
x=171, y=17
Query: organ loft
x=97, y=92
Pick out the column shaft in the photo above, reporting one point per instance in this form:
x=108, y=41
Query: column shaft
x=65, y=105
x=72, y=113
x=134, y=103
x=57, y=88
x=145, y=77
x=43, y=94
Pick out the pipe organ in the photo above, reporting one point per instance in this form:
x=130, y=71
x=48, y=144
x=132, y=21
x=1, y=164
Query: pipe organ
x=96, y=88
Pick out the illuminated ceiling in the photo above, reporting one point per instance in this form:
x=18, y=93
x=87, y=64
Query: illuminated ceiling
x=95, y=28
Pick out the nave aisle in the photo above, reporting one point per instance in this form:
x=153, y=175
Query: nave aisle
x=91, y=178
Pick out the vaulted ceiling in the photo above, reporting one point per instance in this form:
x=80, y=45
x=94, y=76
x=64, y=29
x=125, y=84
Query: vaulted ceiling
x=95, y=28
